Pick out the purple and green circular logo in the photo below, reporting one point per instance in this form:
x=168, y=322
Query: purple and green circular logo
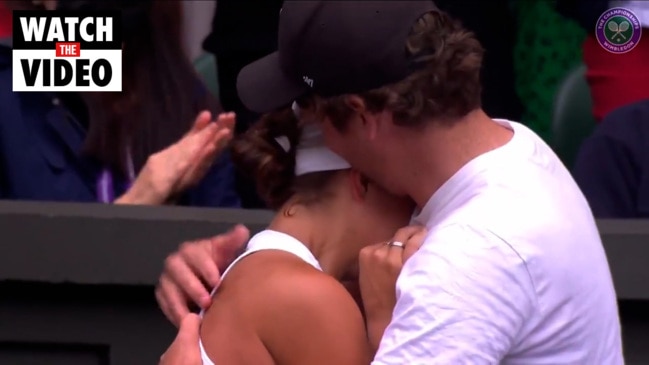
x=618, y=30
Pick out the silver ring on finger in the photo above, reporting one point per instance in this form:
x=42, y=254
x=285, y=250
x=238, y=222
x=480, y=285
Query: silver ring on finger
x=396, y=244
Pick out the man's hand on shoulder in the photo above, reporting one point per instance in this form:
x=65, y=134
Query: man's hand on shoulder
x=380, y=266
x=196, y=263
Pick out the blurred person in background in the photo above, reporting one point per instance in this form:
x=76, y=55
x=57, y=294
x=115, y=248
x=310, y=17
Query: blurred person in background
x=615, y=79
x=153, y=143
x=612, y=168
x=242, y=32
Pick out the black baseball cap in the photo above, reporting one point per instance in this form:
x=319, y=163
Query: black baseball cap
x=332, y=48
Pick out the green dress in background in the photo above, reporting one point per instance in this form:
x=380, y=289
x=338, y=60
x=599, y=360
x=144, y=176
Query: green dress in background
x=547, y=47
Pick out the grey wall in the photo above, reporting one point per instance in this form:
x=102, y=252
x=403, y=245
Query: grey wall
x=76, y=280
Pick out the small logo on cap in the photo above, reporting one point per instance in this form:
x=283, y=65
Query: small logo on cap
x=308, y=80
x=618, y=30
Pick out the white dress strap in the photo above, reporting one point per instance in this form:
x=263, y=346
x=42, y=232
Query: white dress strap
x=274, y=240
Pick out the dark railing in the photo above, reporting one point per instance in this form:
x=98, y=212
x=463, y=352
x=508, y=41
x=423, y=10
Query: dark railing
x=76, y=280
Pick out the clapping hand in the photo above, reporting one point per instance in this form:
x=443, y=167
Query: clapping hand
x=183, y=164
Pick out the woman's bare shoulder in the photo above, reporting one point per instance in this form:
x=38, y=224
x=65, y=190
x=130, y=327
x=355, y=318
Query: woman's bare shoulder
x=307, y=316
x=300, y=314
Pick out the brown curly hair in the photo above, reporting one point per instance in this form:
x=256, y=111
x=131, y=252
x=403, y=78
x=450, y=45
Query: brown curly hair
x=445, y=89
x=258, y=155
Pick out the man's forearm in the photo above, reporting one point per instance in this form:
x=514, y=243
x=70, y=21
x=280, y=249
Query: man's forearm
x=375, y=330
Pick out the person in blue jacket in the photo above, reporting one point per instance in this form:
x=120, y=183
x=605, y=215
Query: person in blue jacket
x=612, y=168
x=137, y=146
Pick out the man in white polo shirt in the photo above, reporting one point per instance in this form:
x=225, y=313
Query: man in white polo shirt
x=513, y=270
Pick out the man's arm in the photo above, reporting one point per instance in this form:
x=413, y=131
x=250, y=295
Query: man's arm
x=184, y=350
x=313, y=320
x=461, y=299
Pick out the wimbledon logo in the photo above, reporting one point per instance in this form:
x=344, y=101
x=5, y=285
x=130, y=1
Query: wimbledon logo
x=618, y=30
x=67, y=51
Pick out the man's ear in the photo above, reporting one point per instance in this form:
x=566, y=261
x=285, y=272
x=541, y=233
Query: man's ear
x=359, y=185
x=368, y=121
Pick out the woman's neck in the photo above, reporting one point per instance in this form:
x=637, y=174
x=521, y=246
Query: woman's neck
x=322, y=233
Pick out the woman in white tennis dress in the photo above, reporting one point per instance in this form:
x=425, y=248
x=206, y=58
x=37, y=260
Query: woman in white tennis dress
x=281, y=302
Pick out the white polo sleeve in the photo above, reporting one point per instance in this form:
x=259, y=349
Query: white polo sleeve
x=461, y=299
